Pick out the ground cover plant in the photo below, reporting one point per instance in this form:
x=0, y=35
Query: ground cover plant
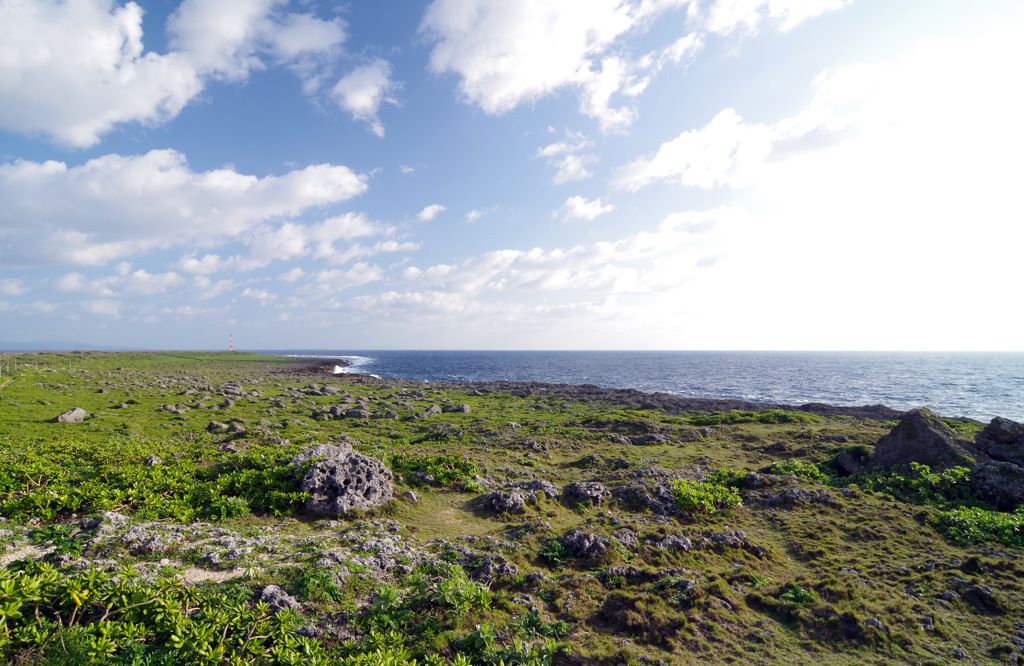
x=529, y=524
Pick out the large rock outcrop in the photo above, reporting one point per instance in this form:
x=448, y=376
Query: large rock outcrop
x=922, y=437
x=1001, y=484
x=341, y=480
x=1003, y=440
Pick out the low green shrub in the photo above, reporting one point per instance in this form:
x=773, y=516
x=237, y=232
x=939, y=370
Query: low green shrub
x=447, y=469
x=919, y=485
x=797, y=595
x=800, y=468
x=704, y=498
x=769, y=416
x=974, y=525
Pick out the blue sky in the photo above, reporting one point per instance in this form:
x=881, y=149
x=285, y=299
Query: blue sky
x=484, y=174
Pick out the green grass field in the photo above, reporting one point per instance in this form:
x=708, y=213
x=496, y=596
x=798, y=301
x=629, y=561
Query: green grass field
x=141, y=536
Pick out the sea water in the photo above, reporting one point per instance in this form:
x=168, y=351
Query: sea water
x=978, y=385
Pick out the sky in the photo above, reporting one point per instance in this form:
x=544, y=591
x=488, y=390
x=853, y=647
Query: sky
x=537, y=174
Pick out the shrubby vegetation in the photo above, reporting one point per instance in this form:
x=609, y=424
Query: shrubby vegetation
x=768, y=554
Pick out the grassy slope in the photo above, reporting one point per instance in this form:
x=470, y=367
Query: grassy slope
x=874, y=578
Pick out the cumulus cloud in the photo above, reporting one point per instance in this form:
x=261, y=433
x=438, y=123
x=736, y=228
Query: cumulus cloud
x=335, y=280
x=627, y=265
x=268, y=243
x=364, y=89
x=262, y=295
x=511, y=53
x=75, y=70
x=292, y=275
x=727, y=16
x=725, y=152
x=507, y=54
x=12, y=287
x=102, y=307
x=134, y=283
x=430, y=212
x=477, y=213
x=204, y=288
x=115, y=206
x=569, y=158
x=578, y=208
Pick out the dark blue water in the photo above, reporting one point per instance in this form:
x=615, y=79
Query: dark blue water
x=973, y=384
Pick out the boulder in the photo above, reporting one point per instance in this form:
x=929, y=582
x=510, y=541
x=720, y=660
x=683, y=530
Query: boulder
x=278, y=599
x=458, y=409
x=584, y=545
x=922, y=437
x=341, y=480
x=1003, y=440
x=75, y=415
x=550, y=490
x=999, y=483
x=428, y=412
x=506, y=501
x=585, y=491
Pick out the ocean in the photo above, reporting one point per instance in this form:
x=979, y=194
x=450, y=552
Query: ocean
x=978, y=385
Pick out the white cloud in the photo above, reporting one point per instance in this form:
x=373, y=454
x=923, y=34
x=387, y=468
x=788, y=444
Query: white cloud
x=12, y=287
x=115, y=206
x=430, y=212
x=331, y=281
x=262, y=295
x=477, y=213
x=725, y=152
x=75, y=70
x=102, y=307
x=293, y=275
x=204, y=288
x=628, y=265
x=511, y=53
x=358, y=251
x=900, y=178
x=364, y=89
x=578, y=208
x=565, y=157
x=134, y=283
x=726, y=16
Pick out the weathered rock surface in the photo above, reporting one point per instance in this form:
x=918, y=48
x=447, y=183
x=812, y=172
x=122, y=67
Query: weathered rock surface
x=278, y=599
x=922, y=437
x=999, y=483
x=1003, y=440
x=584, y=545
x=585, y=491
x=506, y=501
x=550, y=490
x=76, y=415
x=341, y=479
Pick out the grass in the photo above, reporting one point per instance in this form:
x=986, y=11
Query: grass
x=895, y=568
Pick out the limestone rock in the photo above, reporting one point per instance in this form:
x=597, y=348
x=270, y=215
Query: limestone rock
x=999, y=483
x=922, y=437
x=459, y=409
x=550, y=490
x=506, y=501
x=278, y=599
x=430, y=411
x=584, y=545
x=76, y=415
x=1003, y=439
x=586, y=491
x=341, y=479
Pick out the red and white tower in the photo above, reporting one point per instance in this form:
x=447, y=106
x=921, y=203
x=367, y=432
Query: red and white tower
x=231, y=342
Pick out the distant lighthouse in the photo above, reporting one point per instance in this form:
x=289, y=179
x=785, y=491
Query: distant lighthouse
x=231, y=342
